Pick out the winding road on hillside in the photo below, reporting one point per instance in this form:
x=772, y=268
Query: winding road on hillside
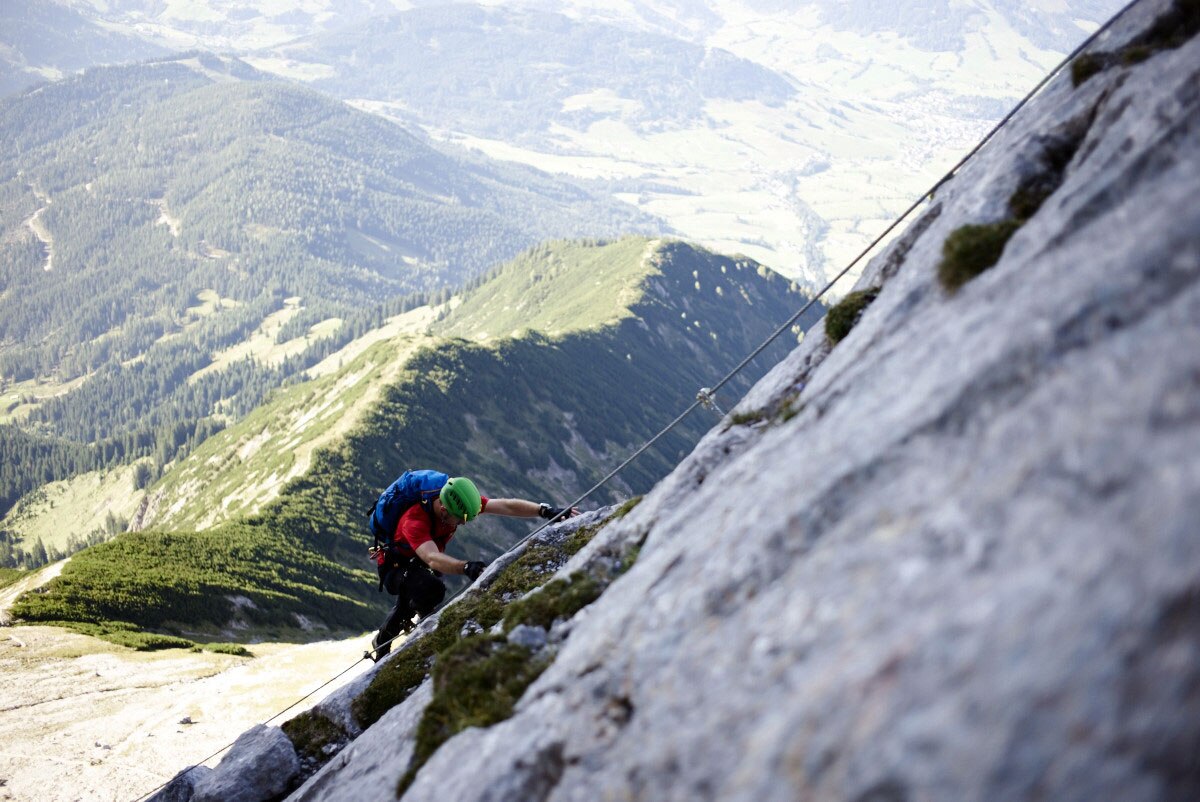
x=40, y=231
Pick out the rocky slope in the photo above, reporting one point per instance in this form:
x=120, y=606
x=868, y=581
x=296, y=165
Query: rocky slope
x=953, y=556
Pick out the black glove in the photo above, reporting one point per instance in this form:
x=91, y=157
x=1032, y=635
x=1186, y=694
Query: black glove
x=549, y=513
x=473, y=569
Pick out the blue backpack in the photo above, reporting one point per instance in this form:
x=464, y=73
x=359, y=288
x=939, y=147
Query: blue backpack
x=413, y=487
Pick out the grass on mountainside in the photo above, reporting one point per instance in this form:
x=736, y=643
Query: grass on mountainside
x=196, y=581
x=240, y=468
x=476, y=683
x=69, y=514
x=401, y=675
x=10, y=576
x=561, y=598
x=128, y=635
x=554, y=288
x=19, y=399
x=316, y=738
x=478, y=679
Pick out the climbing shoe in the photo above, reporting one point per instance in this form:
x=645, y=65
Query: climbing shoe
x=379, y=652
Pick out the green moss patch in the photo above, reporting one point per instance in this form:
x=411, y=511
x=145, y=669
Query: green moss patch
x=843, y=317
x=561, y=598
x=627, y=507
x=972, y=249
x=528, y=571
x=747, y=418
x=393, y=683
x=478, y=678
x=316, y=738
x=584, y=534
x=476, y=683
x=484, y=609
x=1088, y=64
x=792, y=407
x=1174, y=28
x=1030, y=196
x=631, y=556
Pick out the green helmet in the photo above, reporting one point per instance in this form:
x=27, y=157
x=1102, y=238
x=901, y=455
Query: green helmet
x=461, y=498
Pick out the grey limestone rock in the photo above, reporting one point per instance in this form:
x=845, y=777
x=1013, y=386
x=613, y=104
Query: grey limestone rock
x=532, y=638
x=371, y=766
x=978, y=573
x=260, y=765
x=182, y=786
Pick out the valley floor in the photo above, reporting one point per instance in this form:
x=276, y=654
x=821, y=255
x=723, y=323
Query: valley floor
x=81, y=719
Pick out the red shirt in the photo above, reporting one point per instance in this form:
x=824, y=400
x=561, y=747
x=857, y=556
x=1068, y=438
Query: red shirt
x=414, y=529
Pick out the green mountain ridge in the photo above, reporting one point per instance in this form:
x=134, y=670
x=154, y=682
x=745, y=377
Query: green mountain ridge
x=529, y=416
x=130, y=194
x=554, y=288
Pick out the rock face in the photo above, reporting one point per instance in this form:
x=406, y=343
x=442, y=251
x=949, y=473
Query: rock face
x=955, y=557
x=260, y=765
x=967, y=566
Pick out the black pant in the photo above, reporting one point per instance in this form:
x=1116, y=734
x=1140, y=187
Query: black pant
x=417, y=588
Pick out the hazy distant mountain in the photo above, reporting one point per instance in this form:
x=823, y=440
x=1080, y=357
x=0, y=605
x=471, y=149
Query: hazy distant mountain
x=44, y=40
x=521, y=75
x=945, y=24
x=792, y=133
x=789, y=131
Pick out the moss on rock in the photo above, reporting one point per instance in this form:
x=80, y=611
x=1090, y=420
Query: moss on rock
x=476, y=683
x=393, y=683
x=843, y=317
x=972, y=249
x=561, y=598
x=627, y=507
x=1088, y=64
x=316, y=739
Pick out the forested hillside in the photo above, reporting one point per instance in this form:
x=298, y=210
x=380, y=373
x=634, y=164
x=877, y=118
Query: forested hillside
x=129, y=190
x=129, y=195
x=534, y=416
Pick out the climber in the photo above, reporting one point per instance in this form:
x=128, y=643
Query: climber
x=428, y=507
